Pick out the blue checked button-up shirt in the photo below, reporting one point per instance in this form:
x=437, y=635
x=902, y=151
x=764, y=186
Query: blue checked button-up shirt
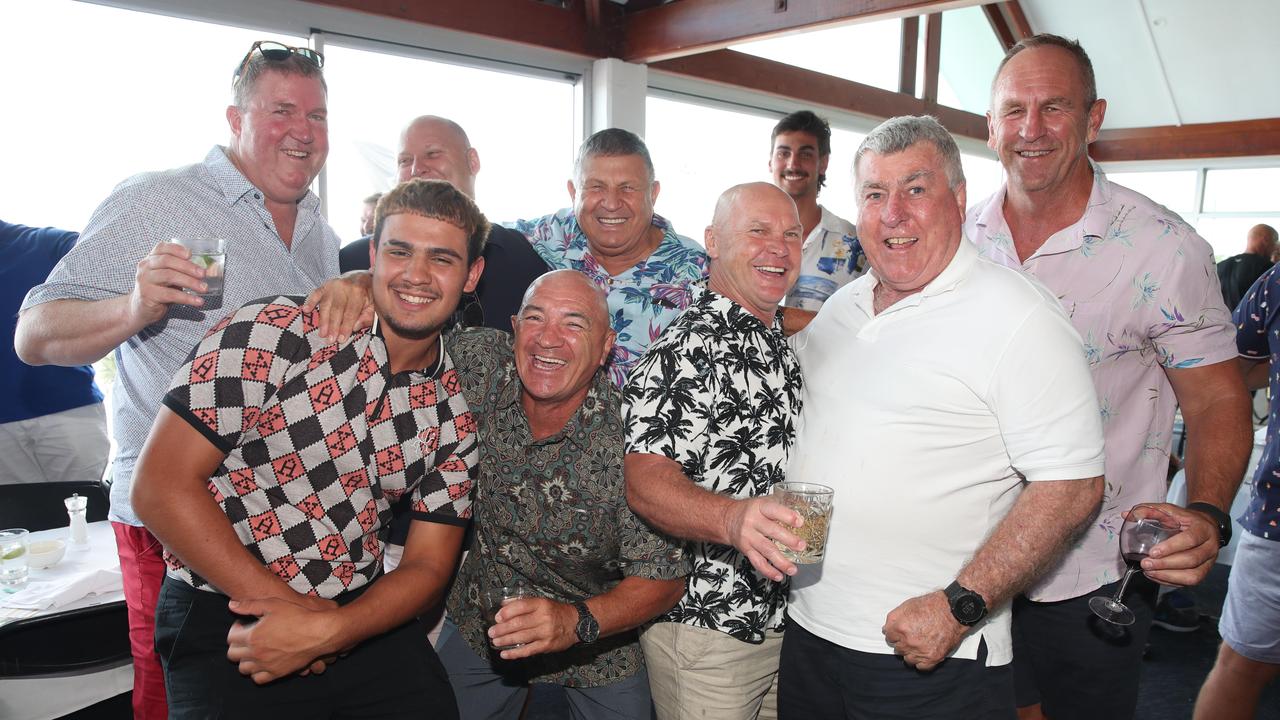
x=642, y=300
x=211, y=199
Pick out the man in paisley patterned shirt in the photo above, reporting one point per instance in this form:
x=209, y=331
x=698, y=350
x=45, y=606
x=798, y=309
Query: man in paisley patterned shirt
x=1140, y=287
x=612, y=235
x=270, y=473
x=710, y=421
x=551, y=512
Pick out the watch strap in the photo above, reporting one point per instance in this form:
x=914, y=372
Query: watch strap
x=1221, y=518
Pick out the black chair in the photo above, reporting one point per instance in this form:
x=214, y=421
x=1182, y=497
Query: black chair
x=73, y=640
x=38, y=506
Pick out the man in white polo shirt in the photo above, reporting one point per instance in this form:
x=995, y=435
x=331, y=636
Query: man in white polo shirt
x=964, y=458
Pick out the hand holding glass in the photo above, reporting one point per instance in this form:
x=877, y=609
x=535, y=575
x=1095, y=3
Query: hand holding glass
x=813, y=502
x=495, y=598
x=211, y=255
x=1146, y=527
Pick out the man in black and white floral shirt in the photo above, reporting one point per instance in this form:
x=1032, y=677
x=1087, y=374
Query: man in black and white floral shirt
x=710, y=421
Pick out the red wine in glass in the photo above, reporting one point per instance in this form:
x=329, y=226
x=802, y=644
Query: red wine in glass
x=1144, y=528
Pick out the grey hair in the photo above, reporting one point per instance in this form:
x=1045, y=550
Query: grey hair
x=900, y=133
x=612, y=142
x=244, y=84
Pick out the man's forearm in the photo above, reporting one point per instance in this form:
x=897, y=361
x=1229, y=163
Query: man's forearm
x=1218, y=445
x=660, y=492
x=73, y=332
x=1045, y=518
x=633, y=602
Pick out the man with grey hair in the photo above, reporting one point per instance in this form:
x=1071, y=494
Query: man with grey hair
x=612, y=235
x=1140, y=288
x=710, y=422
x=964, y=455
x=126, y=287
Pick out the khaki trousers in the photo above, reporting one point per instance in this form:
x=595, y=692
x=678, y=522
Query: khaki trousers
x=708, y=675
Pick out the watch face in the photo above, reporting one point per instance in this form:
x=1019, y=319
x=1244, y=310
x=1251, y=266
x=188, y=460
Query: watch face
x=968, y=608
x=588, y=629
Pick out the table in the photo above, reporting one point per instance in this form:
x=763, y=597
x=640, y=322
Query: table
x=45, y=697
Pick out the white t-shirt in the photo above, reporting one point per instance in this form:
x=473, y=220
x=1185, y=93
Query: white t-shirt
x=925, y=419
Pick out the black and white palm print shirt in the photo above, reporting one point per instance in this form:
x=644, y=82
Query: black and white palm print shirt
x=719, y=393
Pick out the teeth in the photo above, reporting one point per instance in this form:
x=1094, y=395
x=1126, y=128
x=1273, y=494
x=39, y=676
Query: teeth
x=899, y=241
x=771, y=269
x=612, y=221
x=296, y=153
x=1033, y=153
x=413, y=299
x=548, y=360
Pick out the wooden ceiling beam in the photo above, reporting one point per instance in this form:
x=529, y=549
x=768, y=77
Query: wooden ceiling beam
x=813, y=88
x=689, y=27
x=524, y=21
x=932, y=56
x=999, y=25
x=910, y=52
x=1243, y=138
x=1017, y=20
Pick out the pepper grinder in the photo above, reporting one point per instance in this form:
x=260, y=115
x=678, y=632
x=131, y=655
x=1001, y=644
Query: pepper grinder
x=76, y=510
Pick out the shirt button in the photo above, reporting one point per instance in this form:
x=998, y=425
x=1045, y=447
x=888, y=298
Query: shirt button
x=257, y=196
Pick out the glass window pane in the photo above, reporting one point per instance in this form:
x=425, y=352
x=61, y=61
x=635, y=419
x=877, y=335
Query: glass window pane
x=1227, y=234
x=372, y=96
x=694, y=168
x=1244, y=190
x=982, y=176
x=1175, y=189
x=842, y=51
x=108, y=104
x=970, y=55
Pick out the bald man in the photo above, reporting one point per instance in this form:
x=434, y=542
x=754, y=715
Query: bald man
x=710, y=420
x=1237, y=274
x=438, y=148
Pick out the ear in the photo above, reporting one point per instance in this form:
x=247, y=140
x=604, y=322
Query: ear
x=473, y=275
x=709, y=239
x=657, y=186
x=991, y=132
x=234, y=119
x=961, y=197
x=822, y=164
x=609, y=338
x=473, y=161
x=573, y=193
x=1096, y=114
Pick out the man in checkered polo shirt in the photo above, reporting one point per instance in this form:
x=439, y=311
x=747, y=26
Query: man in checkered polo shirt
x=269, y=476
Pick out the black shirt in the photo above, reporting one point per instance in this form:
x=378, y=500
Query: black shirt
x=1238, y=274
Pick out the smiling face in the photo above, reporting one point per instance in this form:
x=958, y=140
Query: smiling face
x=613, y=202
x=909, y=220
x=281, y=139
x=435, y=149
x=754, y=244
x=796, y=164
x=419, y=271
x=562, y=336
x=1039, y=123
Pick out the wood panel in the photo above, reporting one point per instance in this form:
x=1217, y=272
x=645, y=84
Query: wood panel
x=1242, y=138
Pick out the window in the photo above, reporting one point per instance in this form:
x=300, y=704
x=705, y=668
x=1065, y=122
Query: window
x=869, y=53
x=522, y=127
x=970, y=54
x=1175, y=189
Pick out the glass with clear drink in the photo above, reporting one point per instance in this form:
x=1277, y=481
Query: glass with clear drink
x=496, y=597
x=211, y=255
x=13, y=559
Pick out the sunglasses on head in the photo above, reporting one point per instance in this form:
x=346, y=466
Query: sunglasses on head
x=277, y=52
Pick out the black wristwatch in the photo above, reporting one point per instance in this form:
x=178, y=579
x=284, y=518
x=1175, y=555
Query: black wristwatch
x=1222, y=519
x=588, y=629
x=967, y=606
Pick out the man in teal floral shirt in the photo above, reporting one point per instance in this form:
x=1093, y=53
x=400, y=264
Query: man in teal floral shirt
x=612, y=235
x=1140, y=287
x=551, y=512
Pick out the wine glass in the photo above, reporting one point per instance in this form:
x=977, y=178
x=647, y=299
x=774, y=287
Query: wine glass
x=1146, y=527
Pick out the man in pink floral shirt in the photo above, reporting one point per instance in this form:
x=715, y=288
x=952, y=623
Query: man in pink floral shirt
x=1140, y=287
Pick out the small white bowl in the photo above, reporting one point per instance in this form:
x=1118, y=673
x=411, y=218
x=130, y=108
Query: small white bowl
x=45, y=553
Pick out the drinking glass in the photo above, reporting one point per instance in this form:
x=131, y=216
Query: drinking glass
x=496, y=597
x=813, y=502
x=1146, y=527
x=210, y=254
x=13, y=559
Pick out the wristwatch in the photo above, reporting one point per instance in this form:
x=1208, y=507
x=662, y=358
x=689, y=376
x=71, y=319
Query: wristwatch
x=1222, y=519
x=588, y=629
x=967, y=606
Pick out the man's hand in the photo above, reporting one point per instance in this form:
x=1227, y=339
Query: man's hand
x=1186, y=558
x=753, y=524
x=344, y=304
x=923, y=631
x=541, y=625
x=160, y=280
x=288, y=636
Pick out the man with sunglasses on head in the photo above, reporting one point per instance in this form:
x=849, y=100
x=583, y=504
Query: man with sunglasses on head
x=126, y=287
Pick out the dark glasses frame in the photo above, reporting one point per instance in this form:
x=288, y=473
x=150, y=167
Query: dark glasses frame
x=277, y=52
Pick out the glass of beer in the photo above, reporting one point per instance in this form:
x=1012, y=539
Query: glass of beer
x=813, y=502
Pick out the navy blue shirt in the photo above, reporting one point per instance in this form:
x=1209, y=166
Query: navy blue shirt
x=27, y=255
x=1258, y=338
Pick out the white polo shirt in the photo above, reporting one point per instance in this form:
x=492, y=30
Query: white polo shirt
x=926, y=419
